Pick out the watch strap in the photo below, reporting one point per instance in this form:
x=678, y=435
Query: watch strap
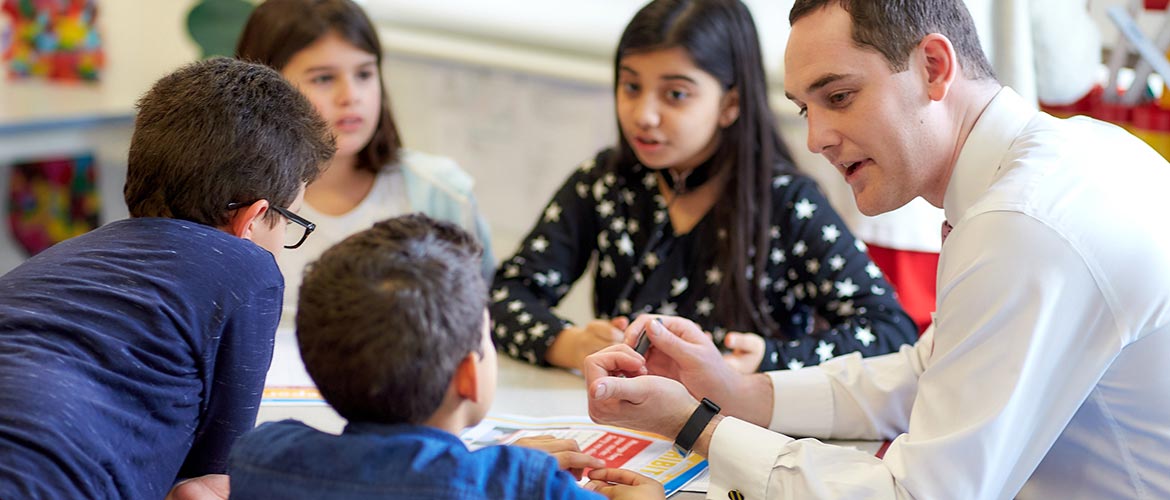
x=694, y=427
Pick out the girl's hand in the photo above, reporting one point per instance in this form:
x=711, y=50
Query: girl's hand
x=747, y=351
x=574, y=343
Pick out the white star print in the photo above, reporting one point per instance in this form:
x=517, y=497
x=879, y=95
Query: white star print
x=677, y=287
x=836, y=262
x=782, y=180
x=775, y=232
x=846, y=308
x=805, y=209
x=537, y=330
x=649, y=181
x=638, y=276
x=668, y=309
x=515, y=305
x=606, y=268
x=609, y=178
x=530, y=356
x=872, y=270
x=588, y=165
x=777, y=256
x=539, y=244
x=830, y=233
x=795, y=364
x=865, y=336
x=552, y=213
x=603, y=240
x=625, y=246
x=714, y=276
x=813, y=265
x=632, y=226
x=513, y=351
x=511, y=271
x=624, y=306
x=651, y=260
x=826, y=286
x=582, y=189
x=554, y=277
x=704, y=307
x=523, y=318
x=860, y=245
x=775, y=357
x=825, y=350
x=799, y=248
x=500, y=331
x=499, y=294
x=599, y=190
x=659, y=216
x=789, y=301
x=846, y=288
x=617, y=225
x=519, y=338
x=877, y=290
x=627, y=196
x=605, y=208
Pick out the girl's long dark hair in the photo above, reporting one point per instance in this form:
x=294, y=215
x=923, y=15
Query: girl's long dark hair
x=278, y=29
x=720, y=36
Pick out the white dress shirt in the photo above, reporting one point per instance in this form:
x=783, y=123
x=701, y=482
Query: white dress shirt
x=1047, y=371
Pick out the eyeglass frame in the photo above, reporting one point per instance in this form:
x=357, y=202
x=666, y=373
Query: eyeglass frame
x=287, y=214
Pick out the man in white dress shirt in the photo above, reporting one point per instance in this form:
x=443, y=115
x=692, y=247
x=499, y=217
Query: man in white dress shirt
x=1046, y=373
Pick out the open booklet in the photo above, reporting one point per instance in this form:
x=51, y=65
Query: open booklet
x=646, y=454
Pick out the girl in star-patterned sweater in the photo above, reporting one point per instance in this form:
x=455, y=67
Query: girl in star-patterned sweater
x=698, y=213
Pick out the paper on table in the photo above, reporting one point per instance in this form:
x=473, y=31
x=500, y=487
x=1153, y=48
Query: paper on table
x=646, y=454
x=287, y=381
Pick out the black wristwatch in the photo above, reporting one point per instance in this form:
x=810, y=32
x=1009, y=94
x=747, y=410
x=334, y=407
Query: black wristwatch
x=694, y=427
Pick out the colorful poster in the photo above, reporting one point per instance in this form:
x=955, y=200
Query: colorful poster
x=52, y=200
x=53, y=40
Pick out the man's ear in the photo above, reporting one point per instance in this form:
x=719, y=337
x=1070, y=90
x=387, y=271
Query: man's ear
x=466, y=378
x=244, y=219
x=941, y=65
x=730, y=111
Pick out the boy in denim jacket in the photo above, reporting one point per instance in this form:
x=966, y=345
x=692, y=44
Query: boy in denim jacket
x=393, y=329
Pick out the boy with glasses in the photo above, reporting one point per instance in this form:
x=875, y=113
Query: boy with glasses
x=132, y=357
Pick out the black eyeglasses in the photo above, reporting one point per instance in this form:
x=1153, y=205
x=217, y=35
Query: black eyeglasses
x=292, y=237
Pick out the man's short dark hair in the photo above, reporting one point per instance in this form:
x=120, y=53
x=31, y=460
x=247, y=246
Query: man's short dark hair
x=222, y=131
x=386, y=316
x=895, y=27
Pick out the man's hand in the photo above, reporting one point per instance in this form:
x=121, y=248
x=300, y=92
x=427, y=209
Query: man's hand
x=747, y=351
x=574, y=343
x=621, y=394
x=621, y=484
x=566, y=451
x=681, y=351
x=209, y=487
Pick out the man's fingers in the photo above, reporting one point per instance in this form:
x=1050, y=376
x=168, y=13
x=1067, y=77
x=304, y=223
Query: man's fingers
x=617, y=476
x=617, y=359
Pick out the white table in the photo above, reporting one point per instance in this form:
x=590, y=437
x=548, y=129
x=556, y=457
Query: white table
x=522, y=389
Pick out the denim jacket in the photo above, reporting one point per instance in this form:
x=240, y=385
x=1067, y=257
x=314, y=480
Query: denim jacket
x=291, y=460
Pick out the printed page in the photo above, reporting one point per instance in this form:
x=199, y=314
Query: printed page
x=644, y=453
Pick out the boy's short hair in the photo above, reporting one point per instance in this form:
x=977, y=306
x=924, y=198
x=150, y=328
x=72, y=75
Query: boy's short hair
x=222, y=131
x=894, y=28
x=387, y=315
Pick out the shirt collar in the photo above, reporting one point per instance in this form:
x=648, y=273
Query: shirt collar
x=987, y=144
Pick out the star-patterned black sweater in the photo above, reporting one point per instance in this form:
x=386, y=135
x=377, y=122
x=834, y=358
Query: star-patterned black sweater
x=815, y=267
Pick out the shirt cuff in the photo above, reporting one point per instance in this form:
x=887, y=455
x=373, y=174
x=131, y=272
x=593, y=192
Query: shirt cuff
x=741, y=457
x=809, y=390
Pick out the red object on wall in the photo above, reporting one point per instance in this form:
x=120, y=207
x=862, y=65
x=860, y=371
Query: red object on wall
x=1156, y=4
